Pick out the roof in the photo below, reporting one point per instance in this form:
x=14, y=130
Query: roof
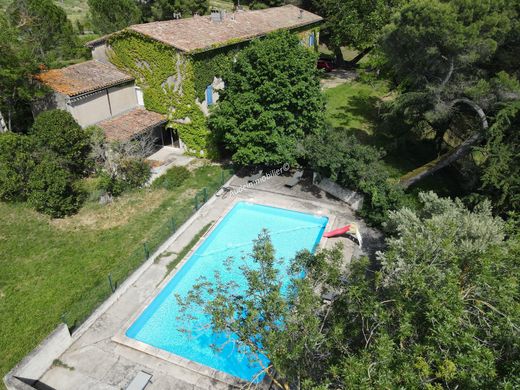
x=126, y=126
x=85, y=77
x=201, y=33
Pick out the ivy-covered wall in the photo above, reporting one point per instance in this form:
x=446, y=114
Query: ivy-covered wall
x=168, y=83
x=171, y=81
x=210, y=64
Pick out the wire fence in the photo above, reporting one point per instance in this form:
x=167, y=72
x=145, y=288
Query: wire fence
x=81, y=308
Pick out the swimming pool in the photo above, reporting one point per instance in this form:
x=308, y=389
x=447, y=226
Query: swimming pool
x=290, y=232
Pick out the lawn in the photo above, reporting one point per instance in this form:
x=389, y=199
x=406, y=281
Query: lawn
x=356, y=105
x=54, y=270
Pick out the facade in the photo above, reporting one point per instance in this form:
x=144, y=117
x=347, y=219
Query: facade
x=172, y=68
x=97, y=93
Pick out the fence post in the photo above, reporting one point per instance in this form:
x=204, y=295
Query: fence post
x=146, y=251
x=196, y=201
x=110, y=283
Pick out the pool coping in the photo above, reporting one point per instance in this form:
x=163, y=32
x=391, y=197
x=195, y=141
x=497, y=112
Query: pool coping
x=121, y=338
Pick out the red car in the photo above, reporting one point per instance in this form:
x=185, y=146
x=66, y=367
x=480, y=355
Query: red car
x=326, y=65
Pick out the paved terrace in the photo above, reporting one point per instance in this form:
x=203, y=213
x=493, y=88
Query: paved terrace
x=96, y=361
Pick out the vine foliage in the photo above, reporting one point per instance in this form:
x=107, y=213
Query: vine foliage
x=167, y=80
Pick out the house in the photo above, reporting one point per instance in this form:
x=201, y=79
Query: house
x=97, y=93
x=172, y=68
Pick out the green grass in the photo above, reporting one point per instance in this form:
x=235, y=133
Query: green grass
x=184, y=251
x=54, y=269
x=355, y=107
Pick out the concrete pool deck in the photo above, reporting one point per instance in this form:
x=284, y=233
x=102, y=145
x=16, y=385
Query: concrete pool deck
x=97, y=358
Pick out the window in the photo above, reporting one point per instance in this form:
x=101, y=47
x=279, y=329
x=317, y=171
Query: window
x=311, y=39
x=209, y=95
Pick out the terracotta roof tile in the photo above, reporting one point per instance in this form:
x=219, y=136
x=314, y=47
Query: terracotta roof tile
x=85, y=77
x=201, y=33
x=126, y=126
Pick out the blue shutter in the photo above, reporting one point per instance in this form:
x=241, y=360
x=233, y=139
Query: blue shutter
x=311, y=39
x=209, y=95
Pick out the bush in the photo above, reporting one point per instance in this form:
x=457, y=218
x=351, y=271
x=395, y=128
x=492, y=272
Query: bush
x=57, y=132
x=135, y=173
x=16, y=164
x=173, y=178
x=131, y=174
x=342, y=158
x=51, y=189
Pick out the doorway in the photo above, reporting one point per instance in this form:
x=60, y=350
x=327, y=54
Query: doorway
x=170, y=137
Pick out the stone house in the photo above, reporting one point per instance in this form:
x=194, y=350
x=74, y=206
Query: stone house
x=171, y=68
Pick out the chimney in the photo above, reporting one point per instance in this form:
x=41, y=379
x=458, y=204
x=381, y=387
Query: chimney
x=217, y=16
x=301, y=14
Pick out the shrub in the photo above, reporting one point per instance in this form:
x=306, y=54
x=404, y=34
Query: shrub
x=342, y=158
x=173, y=178
x=51, y=189
x=57, y=132
x=131, y=174
x=135, y=173
x=16, y=164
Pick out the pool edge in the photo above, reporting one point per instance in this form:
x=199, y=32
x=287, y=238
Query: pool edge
x=221, y=376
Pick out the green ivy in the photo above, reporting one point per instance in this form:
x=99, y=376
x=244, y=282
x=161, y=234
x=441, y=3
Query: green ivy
x=167, y=80
x=210, y=64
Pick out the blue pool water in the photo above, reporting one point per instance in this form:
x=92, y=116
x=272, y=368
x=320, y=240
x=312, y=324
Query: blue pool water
x=158, y=325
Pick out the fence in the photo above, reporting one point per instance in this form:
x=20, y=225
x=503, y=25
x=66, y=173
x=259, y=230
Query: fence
x=83, y=306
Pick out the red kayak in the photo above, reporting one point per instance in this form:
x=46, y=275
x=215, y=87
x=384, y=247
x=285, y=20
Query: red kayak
x=337, y=232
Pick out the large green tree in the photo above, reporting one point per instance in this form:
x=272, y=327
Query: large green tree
x=355, y=23
x=17, y=64
x=439, y=308
x=112, y=15
x=166, y=9
x=440, y=54
x=271, y=101
x=57, y=133
x=45, y=26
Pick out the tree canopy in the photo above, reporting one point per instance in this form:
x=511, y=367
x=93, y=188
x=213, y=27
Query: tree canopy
x=112, y=15
x=437, y=309
x=17, y=64
x=271, y=101
x=45, y=27
x=355, y=23
x=165, y=9
x=441, y=53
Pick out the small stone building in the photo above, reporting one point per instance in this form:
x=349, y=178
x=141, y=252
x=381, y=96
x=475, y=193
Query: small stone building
x=97, y=93
x=171, y=67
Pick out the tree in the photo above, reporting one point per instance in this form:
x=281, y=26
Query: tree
x=354, y=23
x=17, y=64
x=438, y=309
x=165, y=9
x=46, y=27
x=271, y=101
x=57, y=132
x=272, y=317
x=120, y=165
x=16, y=165
x=339, y=156
x=51, y=189
x=112, y=15
x=501, y=168
x=438, y=51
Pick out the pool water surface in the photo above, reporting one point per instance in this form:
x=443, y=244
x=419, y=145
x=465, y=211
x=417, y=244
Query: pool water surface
x=158, y=325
